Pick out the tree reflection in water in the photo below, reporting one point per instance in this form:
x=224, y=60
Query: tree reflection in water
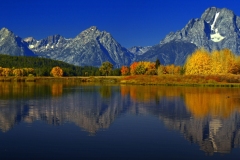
x=206, y=116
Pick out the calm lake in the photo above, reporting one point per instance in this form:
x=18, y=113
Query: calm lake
x=90, y=121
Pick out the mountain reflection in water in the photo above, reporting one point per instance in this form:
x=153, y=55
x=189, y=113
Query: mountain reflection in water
x=206, y=116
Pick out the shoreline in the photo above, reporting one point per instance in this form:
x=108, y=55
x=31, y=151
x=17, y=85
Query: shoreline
x=165, y=80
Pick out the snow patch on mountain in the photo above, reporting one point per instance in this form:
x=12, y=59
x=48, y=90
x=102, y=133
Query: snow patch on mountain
x=213, y=24
x=216, y=37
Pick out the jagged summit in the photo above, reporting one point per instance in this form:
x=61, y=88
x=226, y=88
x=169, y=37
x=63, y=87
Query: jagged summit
x=4, y=32
x=92, y=31
x=13, y=45
x=91, y=47
x=216, y=29
x=29, y=39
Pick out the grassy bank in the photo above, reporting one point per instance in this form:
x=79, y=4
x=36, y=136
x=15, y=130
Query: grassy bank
x=103, y=79
x=184, y=80
x=165, y=80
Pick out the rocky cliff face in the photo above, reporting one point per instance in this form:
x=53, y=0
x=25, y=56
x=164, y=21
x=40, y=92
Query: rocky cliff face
x=13, y=45
x=46, y=46
x=216, y=29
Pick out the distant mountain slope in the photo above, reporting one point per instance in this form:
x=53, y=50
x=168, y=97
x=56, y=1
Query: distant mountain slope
x=13, y=45
x=91, y=47
x=139, y=50
x=173, y=52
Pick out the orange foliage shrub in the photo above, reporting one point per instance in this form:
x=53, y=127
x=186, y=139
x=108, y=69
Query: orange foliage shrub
x=56, y=72
x=143, y=67
x=125, y=70
x=133, y=67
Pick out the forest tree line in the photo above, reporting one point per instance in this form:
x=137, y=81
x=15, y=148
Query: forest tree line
x=201, y=62
x=35, y=66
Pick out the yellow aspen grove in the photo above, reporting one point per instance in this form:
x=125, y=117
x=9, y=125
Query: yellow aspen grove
x=177, y=69
x=18, y=72
x=27, y=71
x=140, y=69
x=6, y=72
x=217, y=61
x=160, y=70
x=150, y=68
x=170, y=69
x=199, y=63
x=230, y=64
x=56, y=72
x=133, y=68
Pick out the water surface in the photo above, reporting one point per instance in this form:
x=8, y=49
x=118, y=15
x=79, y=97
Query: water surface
x=89, y=121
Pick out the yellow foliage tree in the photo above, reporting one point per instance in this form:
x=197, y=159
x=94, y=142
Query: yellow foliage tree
x=199, y=63
x=28, y=71
x=151, y=68
x=217, y=61
x=6, y=71
x=230, y=64
x=161, y=70
x=56, y=72
x=18, y=72
x=133, y=67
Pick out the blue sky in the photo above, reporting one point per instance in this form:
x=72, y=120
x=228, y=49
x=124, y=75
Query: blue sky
x=131, y=22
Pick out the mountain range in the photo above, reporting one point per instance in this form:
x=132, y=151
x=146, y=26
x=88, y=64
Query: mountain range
x=215, y=29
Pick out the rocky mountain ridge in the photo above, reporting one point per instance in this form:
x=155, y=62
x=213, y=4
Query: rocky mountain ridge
x=214, y=30
x=91, y=47
x=13, y=45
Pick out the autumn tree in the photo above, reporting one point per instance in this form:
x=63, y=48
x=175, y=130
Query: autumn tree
x=106, y=68
x=217, y=61
x=230, y=64
x=160, y=70
x=56, y=72
x=151, y=68
x=170, y=69
x=125, y=70
x=28, y=71
x=18, y=72
x=140, y=69
x=199, y=63
x=143, y=67
x=6, y=72
x=133, y=67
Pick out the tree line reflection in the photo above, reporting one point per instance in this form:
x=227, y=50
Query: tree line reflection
x=206, y=116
